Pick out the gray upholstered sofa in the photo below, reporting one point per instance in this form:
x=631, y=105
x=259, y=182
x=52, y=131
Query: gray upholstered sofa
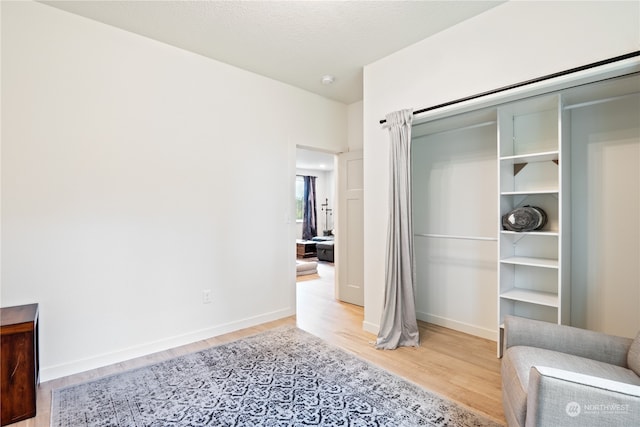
x=555, y=375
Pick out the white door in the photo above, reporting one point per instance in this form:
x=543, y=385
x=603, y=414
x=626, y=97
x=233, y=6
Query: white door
x=350, y=230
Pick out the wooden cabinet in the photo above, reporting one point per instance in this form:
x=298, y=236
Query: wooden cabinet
x=305, y=248
x=19, y=368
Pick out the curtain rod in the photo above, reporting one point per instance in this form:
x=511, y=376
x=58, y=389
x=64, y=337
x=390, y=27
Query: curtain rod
x=528, y=82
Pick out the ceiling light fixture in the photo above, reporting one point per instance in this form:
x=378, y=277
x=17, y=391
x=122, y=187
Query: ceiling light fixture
x=328, y=79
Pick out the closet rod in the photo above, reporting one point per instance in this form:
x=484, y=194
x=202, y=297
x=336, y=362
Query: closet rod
x=527, y=82
x=599, y=101
x=448, y=236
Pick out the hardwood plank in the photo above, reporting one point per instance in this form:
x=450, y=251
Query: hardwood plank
x=458, y=366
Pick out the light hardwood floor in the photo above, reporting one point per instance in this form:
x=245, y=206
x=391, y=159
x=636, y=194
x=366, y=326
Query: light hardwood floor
x=452, y=364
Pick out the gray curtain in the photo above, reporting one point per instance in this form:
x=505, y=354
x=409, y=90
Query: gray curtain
x=309, y=212
x=399, y=326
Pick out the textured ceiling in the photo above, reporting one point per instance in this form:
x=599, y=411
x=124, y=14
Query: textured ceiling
x=296, y=42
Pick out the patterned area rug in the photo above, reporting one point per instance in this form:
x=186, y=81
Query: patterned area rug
x=283, y=377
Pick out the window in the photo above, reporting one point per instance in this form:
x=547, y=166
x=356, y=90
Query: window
x=299, y=197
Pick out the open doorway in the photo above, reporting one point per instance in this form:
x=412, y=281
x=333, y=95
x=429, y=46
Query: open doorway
x=315, y=231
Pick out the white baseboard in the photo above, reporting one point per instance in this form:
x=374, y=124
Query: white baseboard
x=52, y=372
x=467, y=328
x=370, y=327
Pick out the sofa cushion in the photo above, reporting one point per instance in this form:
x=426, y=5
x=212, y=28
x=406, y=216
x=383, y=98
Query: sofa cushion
x=325, y=245
x=322, y=238
x=525, y=357
x=517, y=362
x=633, y=357
x=514, y=392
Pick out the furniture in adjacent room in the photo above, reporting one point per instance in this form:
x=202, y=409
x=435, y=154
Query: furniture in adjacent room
x=305, y=248
x=324, y=247
x=19, y=366
x=556, y=375
x=306, y=268
x=327, y=238
x=325, y=251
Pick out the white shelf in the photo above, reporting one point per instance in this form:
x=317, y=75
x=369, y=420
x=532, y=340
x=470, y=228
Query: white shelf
x=534, y=297
x=526, y=193
x=531, y=262
x=546, y=156
x=458, y=237
x=531, y=233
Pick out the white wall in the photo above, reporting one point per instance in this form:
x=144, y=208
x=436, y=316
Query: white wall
x=454, y=181
x=354, y=135
x=135, y=175
x=605, y=198
x=505, y=45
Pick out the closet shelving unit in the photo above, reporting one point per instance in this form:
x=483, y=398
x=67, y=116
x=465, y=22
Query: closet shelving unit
x=531, y=272
x=533, y=170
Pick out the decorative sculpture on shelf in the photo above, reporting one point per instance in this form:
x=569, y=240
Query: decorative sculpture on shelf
x=327, y=212
x=525, y=218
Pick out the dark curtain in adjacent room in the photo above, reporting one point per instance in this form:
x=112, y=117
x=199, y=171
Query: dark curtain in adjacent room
x=309, y=218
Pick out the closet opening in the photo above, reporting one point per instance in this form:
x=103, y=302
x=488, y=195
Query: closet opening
x=573, y=153
x=454, y=202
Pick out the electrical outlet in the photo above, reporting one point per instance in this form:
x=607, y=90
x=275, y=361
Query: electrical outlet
x=206, y=296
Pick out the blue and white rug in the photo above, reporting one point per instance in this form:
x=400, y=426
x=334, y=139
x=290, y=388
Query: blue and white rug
x=283, y=377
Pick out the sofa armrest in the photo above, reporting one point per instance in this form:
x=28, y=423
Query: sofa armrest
x=566, y=339
x=560, y=398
